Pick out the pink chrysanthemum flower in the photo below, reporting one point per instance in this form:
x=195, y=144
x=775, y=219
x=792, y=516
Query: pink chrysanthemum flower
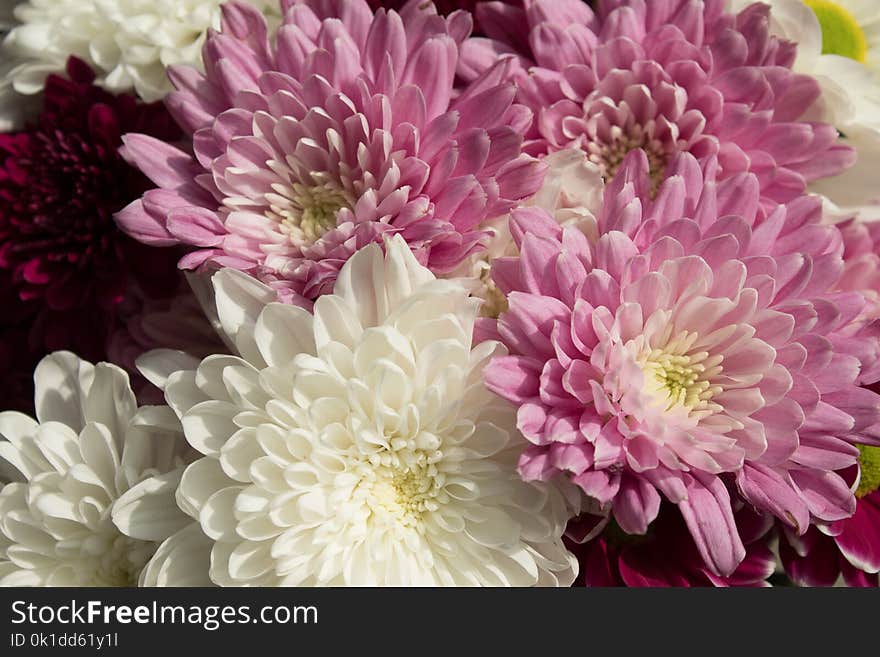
x=665, y=76
x=344, y=127
x=699, y=343
x=849, y=548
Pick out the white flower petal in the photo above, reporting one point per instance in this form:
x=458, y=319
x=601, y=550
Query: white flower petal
x=157, y=365
x=243, y=387
x=100, y=454
x=181, y=560
x=148, y=511
x=250, y=560
x=14, y=425
x=240, y=299
x=216, y=515
x=209, y=375
x=209, y=425
x=182, y=393
x=239, y=452
x=61, y=380
x=333, y=322
x=199, y=481
x=282, y=332
x=109, y=399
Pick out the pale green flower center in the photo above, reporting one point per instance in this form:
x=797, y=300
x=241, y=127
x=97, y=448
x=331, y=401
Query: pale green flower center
x=869, y=462
x=307, y=212
x=841, y=33
x=680, y=379
x=406, y=494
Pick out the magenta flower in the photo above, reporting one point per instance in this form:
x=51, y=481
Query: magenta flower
x=344, y=128
x=666, y=555
x=665, y=76
x=61, y=180
x=847, y=549
x=698, y=343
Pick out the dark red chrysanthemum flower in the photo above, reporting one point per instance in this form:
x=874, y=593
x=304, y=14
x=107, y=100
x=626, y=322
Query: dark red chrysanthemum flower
x=61, y=180
x=666, y=556
x=17, y=357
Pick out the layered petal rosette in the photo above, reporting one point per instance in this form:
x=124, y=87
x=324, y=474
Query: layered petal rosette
x=698, y=346
x=343, y=127
x=358, y=445
x=665, y=76
x=93, y=479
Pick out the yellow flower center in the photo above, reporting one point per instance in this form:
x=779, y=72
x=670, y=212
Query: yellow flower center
x=841, y=33
x=869, y=462
x=680, y=379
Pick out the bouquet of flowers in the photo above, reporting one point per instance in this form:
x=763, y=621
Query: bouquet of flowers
x=525, y=292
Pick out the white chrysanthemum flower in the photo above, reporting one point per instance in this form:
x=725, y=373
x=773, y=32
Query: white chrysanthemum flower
x=571, y=193
x=358, y=445
x=129, y=43
x=94, y=466
x=838, y=44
